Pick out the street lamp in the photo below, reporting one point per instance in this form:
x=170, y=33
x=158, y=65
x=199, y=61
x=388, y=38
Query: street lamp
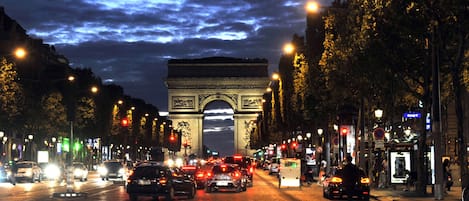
x=30, y=137
x=378, y=114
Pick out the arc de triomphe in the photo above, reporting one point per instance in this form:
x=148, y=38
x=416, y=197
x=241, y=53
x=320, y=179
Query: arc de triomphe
x=194, y=83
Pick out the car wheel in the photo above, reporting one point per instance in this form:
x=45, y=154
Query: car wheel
x=192, y=193
x=208, y=189
x=170, y=195
x=133, y=197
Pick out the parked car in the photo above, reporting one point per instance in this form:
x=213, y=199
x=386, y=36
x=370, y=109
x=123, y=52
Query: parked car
x=225, y=177
x=156, y=179
x=333, y=187
x=113, y=169
x=80, y=171
x=27, y=170
x=245, y=164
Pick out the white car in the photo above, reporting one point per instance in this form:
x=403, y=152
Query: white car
x=80, y=171
x=28, y=170
x=274, y=167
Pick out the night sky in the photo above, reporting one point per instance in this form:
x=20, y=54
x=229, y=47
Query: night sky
x=129, y=42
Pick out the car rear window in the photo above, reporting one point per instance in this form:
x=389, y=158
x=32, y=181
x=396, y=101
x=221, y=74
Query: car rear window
x=148, y=172
x=223, y=169
x=24, y=165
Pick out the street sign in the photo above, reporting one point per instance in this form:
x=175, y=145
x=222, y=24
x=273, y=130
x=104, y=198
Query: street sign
x=378, y=133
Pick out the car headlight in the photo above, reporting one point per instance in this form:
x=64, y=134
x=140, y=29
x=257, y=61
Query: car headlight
x=102, y=170
x=52, y=171
x=78, y=172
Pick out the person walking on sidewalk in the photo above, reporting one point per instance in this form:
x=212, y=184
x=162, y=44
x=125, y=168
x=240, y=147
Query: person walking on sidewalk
x=350, y=177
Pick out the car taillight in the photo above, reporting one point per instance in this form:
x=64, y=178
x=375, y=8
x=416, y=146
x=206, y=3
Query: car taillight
x=235, y=174
x=199, y=174
x=209, y=175
x=336, y=180
x=365, y=180
x=163, y=181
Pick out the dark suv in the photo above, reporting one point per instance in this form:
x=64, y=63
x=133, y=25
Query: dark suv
x=245, y=165
x=156, y=179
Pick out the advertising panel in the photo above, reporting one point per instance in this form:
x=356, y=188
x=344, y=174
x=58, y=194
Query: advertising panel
x=399, y=166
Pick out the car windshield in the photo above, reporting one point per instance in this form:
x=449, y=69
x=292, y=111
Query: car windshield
x=24, y=165
x=148, y=171
x=113, y=164
x=223, y=169
x=241, y=161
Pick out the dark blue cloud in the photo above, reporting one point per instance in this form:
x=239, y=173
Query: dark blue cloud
x=129, y=42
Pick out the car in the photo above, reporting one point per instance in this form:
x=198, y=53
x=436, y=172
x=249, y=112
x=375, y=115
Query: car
x=245, y=164
x=52, y=171
x=157, y=179
x=113, y=169
x=5, y=173
x=27, y=170
x=195, y=173
x=334, y=189
x=80, y=171
x=274, y=166
x=225, y=177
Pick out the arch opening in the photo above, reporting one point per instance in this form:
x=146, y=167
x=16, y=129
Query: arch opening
x=218, y=128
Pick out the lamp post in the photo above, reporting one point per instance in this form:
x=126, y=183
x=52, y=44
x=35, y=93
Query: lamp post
x=30, y=137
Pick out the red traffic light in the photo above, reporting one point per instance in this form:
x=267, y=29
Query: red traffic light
x=284, y=146
x=124, y=122
x=172, y=138
x=344, y=131
x=294, y=144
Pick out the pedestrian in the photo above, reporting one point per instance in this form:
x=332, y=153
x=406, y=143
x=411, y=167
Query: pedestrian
x=350, y=177
x=14, y=171
x=447, y=177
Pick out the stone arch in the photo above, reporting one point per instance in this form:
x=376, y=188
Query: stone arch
x=229, y=99
x=194, y=83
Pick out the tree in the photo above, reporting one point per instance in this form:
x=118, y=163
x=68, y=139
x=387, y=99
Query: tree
x=11, y=94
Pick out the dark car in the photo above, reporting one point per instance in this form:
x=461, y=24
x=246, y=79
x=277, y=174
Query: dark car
x=333, y=187
x=112, y=169
x=245, y=164
x=156, y=179
x=196, y=173
x=225, y=177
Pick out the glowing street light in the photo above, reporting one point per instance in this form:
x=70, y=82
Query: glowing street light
x=20, y=53
x=288, y=48
x=312, y=7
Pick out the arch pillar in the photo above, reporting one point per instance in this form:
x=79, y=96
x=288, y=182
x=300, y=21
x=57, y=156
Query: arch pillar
x=192, y=129
x=243, y=124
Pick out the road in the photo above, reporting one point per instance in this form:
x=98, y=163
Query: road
x=265, y=188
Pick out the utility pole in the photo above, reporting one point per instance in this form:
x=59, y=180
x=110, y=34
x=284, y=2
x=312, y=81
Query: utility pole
x=436, y=117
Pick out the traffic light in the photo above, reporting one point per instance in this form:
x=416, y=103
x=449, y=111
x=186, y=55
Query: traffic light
x=283, y=147
x=344, y=131
x=124, y=122
x=293, y=145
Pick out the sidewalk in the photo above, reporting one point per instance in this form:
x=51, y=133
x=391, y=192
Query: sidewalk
x=398, y=193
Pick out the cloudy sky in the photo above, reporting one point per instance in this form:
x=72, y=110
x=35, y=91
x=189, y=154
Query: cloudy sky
x=128, y=42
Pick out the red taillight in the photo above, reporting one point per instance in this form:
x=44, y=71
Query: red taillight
x=163, y=181
x=336, y=180
x=365, y=180
x=236, y=174
x=209, y=175
x=199, y=174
